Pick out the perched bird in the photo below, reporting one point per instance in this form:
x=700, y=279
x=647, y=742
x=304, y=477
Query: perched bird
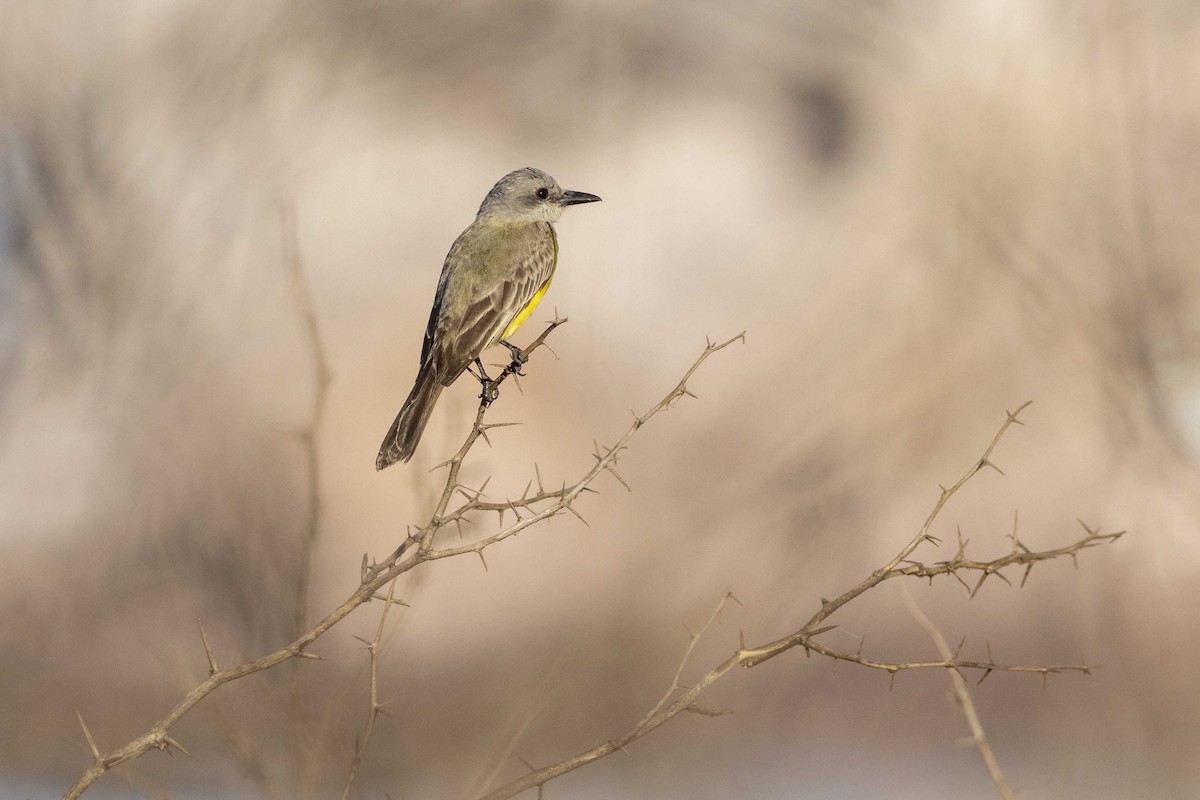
x=495, y=274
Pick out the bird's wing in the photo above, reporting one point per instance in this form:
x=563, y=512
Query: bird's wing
x=435, y=314
x=460, y=338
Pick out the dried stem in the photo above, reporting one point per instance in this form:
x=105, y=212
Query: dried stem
x=376, y=708
x=687, y=654
x=978, y=735
x=889, y=570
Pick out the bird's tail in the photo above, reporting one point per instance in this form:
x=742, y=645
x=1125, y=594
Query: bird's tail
x=401, y=440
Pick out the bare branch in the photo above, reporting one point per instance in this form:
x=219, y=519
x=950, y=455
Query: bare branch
x=375, y=707
x=687, y=654
x=951, y=662
x=664, y=710
x=889, y=569
x=978, y=735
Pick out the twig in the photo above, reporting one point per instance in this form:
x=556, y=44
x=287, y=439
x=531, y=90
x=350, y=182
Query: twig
x=687, y=654
x=360, y=747
x=887, y=571
x=528, y=713
x=978, y=735
x=664, y=710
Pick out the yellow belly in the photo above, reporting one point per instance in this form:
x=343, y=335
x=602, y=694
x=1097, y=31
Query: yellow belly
x=519, y=320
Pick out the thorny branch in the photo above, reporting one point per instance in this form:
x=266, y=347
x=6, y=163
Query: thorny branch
x=747, y=657
x=963, y=697
x=376, y=576
x=557, y=501
x=376, y=707
x=893, y=569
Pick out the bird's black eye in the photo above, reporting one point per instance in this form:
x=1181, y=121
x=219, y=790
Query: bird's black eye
x=542, y=193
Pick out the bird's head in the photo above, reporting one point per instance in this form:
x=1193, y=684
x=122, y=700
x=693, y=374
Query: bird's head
x=530, y=195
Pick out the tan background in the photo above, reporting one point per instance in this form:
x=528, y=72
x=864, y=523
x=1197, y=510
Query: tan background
x=922, y=214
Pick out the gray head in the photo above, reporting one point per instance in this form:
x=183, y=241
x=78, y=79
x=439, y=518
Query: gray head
x=530, y=195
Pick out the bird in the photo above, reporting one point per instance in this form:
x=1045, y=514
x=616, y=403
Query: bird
x=496, y=273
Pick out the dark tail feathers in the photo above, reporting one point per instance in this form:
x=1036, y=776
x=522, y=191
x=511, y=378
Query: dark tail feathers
x=401, y=440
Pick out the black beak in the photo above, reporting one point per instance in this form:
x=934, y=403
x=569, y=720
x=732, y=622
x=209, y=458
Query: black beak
x=573, y=198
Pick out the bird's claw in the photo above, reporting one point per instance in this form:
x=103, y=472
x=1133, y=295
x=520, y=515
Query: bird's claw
x=489, y=394
x=518, y=356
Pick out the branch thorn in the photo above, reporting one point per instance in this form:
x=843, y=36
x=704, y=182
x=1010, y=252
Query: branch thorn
x=88, y=735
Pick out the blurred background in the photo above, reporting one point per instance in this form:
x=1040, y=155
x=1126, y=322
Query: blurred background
x=922, y=214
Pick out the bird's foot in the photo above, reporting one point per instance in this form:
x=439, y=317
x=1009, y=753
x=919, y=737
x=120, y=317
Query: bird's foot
x=518, y=358
x=491, y=391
